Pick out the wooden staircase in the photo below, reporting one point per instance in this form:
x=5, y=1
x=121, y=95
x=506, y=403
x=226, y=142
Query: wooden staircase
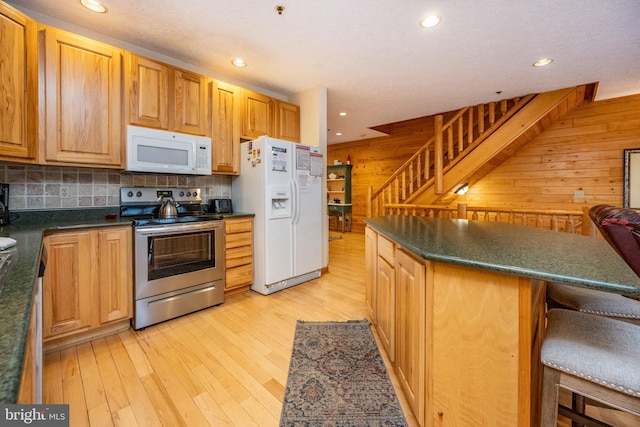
x=472, y=143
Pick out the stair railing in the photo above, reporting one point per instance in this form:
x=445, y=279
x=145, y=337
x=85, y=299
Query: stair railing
x=451, y=142
x=567, y=221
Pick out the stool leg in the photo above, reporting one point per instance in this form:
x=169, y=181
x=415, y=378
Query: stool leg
x=550, y=381
x=578, y=405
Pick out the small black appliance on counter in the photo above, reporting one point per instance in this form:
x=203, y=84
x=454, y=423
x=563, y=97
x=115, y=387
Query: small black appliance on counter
x=220, y=206
x=4, y=204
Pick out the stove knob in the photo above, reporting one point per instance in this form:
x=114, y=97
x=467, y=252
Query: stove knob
x=195, y=194
x=182, y=194
x=139, y=194
x=188, y=193
x=130, y=194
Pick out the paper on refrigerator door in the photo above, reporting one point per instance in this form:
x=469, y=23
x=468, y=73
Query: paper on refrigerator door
x=279, y=160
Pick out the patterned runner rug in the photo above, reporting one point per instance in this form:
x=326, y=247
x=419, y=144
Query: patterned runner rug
x=337, y=378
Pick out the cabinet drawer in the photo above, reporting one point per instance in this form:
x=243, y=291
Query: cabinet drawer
x=385, y=249
x=238, y=225
x=239, y=276
x=238, y=256
x=238, y=239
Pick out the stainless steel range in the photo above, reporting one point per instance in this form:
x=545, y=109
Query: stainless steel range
x=178, y=254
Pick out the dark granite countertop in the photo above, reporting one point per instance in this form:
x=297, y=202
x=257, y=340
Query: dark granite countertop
x=513, y=249
x=16, y=295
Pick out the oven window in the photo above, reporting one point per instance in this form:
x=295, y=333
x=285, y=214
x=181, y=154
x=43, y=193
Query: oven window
x=169, y=255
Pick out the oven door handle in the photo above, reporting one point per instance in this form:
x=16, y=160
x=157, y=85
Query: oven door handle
x=173, y=228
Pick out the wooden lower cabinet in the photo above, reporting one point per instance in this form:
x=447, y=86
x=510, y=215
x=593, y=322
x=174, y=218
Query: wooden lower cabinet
x=386, y=296
x=238, y=238
x=27, y=393
x=467, y=340
x=410, y=322
x=88, y=282
x=371, y=256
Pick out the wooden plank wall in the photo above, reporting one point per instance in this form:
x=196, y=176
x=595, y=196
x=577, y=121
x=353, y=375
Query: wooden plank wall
x=581, y=152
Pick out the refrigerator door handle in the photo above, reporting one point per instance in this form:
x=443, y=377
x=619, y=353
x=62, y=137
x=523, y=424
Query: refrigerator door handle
x=296, y=202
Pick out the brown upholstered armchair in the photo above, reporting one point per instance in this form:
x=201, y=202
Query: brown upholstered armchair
x=621, y=228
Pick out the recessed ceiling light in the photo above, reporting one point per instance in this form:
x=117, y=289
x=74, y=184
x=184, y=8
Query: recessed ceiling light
x=239, y=62
x=94, y=6
x=542, y=62
x=338, y=133
x=430, y=21
x=343, y=113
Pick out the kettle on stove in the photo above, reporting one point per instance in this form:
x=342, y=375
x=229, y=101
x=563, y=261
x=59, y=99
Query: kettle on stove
x=169, y=208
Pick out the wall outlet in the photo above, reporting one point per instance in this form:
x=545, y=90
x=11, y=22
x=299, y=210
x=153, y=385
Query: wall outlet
x=578, y=195
x=64, y=192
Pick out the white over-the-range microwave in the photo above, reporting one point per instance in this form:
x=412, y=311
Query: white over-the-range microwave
x=160, y=151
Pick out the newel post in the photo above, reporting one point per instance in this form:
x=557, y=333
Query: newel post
x=588, y=227
x=462, y=211
x=438, y=155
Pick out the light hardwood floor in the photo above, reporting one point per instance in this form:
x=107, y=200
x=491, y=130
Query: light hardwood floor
x=224, y=366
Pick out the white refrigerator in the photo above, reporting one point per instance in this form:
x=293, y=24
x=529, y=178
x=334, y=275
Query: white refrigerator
x=280, y=182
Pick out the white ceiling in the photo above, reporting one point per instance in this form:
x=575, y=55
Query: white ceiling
x=375, y=61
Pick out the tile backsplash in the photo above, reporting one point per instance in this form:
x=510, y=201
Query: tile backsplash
x=35, y=187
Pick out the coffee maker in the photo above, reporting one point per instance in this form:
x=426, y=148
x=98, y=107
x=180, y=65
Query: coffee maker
x=4, y=204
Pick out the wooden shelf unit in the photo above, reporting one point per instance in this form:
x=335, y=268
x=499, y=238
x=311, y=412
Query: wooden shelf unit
x=339, y=195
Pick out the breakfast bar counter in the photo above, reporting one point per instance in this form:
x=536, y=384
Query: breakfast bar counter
x=459, y=307
x=513, y=249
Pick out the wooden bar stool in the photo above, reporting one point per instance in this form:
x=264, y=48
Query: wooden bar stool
x=592, y=301
x=593, y=356
x=620, y=227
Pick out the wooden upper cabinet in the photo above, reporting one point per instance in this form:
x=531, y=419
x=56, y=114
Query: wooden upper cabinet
x=164, y=97
x=18, y=85
x=257, y=115
x=148, y=83
x=225, y=102
x=287, y=121
x=82, y=109
x=190, y=102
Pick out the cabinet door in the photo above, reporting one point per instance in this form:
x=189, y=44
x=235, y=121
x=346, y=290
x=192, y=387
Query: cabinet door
x=190, y=103
x=225, y=128
x=411, y=330
x=257, y=115
x=67, y=304
x=287, y=121
x=371, y=256
x=18, y=85
x=115, y=276
x=386, y=299
x=83, y=101
x=148, y=85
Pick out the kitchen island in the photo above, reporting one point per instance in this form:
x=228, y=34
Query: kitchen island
x=459, y=307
